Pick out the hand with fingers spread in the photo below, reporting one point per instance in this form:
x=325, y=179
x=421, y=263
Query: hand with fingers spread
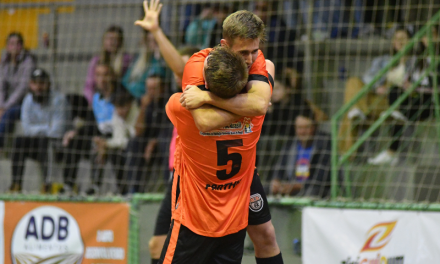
x=151, y=19
x=193, y=97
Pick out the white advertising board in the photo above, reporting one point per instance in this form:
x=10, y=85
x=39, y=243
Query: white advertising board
x=349, y=236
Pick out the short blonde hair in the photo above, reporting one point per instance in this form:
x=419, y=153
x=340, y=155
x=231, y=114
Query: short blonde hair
x=245, y=25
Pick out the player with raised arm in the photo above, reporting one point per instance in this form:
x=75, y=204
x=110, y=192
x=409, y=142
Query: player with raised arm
x=261, y=229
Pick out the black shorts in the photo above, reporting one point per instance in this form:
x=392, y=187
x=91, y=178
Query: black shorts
x=163, y=219
x=183, y=246
x=259, y=212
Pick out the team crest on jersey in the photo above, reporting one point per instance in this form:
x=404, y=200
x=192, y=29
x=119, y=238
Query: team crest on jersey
x=247, y=125
x=256, y=203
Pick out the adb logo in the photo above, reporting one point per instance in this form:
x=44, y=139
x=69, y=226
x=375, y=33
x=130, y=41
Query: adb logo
x=47, y=235
x=378, y=236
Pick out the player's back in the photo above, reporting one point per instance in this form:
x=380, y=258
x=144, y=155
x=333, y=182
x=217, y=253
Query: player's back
x=216, y=170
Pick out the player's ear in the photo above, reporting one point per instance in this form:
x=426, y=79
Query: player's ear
x=224, y=42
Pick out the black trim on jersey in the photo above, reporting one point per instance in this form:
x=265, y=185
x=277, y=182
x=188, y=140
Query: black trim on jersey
x=166, y=243
x=272, y=82
x=202, y=87
x=258, y=77
x=177, y=189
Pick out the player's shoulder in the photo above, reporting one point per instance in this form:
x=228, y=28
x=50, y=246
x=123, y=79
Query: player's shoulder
x=200, y=56
x=174, y=101
x=193, y=72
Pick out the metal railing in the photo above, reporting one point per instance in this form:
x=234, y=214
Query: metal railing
x=337, y=161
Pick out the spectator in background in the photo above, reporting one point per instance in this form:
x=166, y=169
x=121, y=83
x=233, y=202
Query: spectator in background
x=326, y=17
x=78, y=142
x=112, y=53
x=44, y=115
x=148, y=63
x=370, y=106
x=123, y=125
x=286, y=105
x=278, y=128
x=187, y=14
x=418, y=106
x=142, y=151
x=198, y=33
x=279, y=44
x=16, y=66
x=220, y=12
x=304, y=164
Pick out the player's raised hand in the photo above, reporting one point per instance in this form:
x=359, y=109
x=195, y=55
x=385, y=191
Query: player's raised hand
x=193, y=97
x=151, y=19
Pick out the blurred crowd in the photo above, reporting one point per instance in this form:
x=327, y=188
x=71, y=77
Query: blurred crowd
x=119, y=118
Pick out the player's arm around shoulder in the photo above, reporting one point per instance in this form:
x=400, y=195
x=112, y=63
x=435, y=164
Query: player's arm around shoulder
x=261, y=91
x=208, y=118
x=253, y=103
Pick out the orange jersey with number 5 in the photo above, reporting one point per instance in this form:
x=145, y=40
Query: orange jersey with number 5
x=216, y=170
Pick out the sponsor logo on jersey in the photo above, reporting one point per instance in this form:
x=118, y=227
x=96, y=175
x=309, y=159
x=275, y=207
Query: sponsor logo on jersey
x=238, y=128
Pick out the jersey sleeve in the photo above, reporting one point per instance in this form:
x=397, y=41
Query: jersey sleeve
x=178, y=115
x=172, y=108
x=193, y=71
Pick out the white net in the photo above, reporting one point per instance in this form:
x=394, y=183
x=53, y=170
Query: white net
x=324, y=52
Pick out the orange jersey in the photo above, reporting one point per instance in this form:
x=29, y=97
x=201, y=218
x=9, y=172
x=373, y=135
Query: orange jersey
x=193, y=75
x=216, y=170
x=201, y=211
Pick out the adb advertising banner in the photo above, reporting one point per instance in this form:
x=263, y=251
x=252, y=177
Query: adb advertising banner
x=347, y=236
x=52, y=233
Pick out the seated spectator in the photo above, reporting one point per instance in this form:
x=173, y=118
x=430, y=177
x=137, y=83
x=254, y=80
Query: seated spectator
x=370, y=106
x=113, y=54
x=418, y=106
x=16, y=66
x=278, y=128
x=142, y=151
x=279, y=125
x=78, y=142
x=43, y=116
x=304, y=166
x=287, y=102
x=123, y=123
x=198, y=33
x=148, y=63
